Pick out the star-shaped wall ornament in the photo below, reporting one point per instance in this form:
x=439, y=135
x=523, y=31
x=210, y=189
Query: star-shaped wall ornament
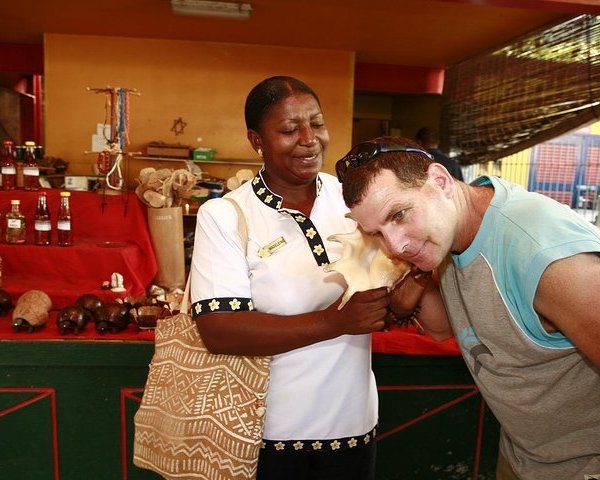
x=178, y=126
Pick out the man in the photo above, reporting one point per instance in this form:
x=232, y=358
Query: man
x=429, y=139
x=519, y=275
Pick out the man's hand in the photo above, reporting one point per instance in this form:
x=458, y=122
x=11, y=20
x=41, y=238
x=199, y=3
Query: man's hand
x=405, y=296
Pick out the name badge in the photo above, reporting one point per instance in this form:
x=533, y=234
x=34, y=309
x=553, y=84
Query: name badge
x=271, y=248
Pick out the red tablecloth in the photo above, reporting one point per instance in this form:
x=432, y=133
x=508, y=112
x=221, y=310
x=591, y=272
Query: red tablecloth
x=110, y=235
x=406, y=340
x=50, y=332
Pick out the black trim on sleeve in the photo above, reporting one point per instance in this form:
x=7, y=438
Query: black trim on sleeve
x=221, y=304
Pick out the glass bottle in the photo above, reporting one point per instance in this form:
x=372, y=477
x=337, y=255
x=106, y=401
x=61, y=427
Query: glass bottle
x=63, y=224
x=19, y=161
x=42, y=226
x=15, y=223
x=8, y=169
x=31, y=171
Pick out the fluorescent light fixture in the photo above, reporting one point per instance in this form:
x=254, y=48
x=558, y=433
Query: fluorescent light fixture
x=207, y=8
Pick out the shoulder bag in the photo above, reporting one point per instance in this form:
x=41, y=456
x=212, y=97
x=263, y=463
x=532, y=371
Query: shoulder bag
x=202, y=414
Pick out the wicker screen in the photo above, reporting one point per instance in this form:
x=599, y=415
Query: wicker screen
x=536, y=88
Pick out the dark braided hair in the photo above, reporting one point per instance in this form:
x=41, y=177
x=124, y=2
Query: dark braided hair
x=268, y=93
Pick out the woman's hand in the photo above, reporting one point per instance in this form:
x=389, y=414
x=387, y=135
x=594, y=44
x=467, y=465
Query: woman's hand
x=365, y=312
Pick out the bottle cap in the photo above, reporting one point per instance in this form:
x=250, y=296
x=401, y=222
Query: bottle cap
x=8, y=142
x=29, y=143
x=65, y=194
x=15, y=202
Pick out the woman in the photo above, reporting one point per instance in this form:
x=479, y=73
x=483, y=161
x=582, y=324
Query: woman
x=322, y=399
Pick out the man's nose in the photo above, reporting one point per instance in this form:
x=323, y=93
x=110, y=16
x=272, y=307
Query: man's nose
x=392, y=246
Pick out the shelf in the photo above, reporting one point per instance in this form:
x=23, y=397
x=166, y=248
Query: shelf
x=200, y=162
x=110, y=235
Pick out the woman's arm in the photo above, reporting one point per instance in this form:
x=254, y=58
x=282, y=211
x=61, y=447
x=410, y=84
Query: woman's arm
x=255, y=333
x=220, y=269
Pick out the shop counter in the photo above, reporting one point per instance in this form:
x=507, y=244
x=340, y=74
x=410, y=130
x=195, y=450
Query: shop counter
x=67, y=405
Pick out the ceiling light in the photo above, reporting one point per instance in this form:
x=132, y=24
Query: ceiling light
x=208, y=8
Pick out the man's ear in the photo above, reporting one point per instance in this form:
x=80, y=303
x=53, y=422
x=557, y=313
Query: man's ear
x=440, y=177
x=255, y=140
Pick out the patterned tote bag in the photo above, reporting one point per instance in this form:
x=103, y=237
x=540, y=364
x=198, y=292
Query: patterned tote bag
x=202, y=414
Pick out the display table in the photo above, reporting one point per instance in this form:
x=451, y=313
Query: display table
x=110, y=235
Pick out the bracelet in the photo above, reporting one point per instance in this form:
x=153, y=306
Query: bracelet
x=405, y=320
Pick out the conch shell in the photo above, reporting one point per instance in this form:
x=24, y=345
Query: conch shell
x=364, y=265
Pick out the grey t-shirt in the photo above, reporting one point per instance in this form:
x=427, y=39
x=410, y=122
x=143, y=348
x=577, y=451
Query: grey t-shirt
x=545, y=394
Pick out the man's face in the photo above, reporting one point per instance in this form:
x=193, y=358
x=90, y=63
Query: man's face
x=416, y=224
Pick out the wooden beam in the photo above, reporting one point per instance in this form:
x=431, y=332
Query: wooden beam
x=375, y=77
x=21, y=58
x=570, y=7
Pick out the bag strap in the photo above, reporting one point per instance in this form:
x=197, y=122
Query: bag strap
x=243, y=230
x=186, y=295
x=242, y=224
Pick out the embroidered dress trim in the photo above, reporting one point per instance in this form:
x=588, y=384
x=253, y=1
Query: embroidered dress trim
x=330, y=445
x=272, y=200
x=221, y=304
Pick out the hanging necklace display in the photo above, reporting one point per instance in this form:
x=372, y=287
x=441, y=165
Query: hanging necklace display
x=111, y=159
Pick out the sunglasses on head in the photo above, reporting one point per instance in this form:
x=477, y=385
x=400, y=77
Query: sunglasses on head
x=365, y=152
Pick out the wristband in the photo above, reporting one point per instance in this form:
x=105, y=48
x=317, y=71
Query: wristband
x=405, y=320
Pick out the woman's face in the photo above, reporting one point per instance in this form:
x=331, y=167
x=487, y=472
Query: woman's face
x=293, y=139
